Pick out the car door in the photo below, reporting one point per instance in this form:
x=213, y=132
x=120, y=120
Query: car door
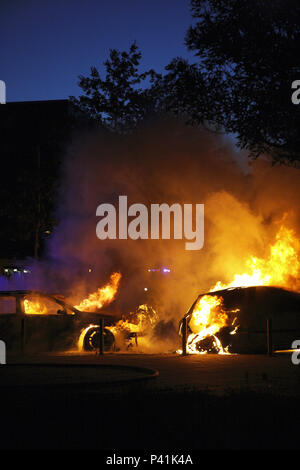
x=48, y=325
x=10, y=321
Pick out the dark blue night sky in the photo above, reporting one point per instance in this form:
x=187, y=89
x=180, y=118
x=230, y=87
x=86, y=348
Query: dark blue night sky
x=46, y=44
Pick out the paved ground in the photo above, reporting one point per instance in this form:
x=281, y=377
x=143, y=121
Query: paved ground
x=64, y=402
x=215, y=373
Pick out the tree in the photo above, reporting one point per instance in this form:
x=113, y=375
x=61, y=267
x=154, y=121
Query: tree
x=248, y=58
x=122, y=99
x=241, y=83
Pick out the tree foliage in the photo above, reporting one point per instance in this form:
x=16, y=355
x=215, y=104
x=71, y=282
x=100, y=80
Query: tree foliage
x=246, y=58
x=248, y=51
x=125, y=96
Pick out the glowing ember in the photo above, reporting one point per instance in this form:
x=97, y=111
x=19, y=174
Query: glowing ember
x=102, y=296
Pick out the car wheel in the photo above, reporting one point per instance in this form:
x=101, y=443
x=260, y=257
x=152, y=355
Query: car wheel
x=91, y=340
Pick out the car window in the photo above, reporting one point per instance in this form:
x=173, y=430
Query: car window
x=69, y=311
x=8, y=305
x=39, y=305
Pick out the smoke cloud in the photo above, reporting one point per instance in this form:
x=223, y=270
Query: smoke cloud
x=172, y=163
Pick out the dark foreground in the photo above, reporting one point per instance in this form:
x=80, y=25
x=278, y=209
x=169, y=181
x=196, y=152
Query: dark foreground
x=207, y=402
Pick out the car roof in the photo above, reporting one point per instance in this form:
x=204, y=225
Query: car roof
x=24, y=292
x=56, y=297
x=236, y=290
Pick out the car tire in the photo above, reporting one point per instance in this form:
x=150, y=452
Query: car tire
x=91, y=340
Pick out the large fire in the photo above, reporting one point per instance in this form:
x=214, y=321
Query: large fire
x=130, y=331
x=280, y=268
x=207, y=319
x=94, y=302
x=102, y=296
x=136, y=327
x=138, y=321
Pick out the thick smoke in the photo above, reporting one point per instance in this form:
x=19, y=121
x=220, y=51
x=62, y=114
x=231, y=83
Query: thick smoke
x=172, y=163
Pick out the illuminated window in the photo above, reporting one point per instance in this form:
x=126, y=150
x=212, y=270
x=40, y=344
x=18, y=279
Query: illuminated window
x=38, y=305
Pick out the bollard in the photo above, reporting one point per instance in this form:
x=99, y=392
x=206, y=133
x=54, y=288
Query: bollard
x=269, y=337
x=2, y=352
x=184, y=335
x=101, y=331
x=22, y=334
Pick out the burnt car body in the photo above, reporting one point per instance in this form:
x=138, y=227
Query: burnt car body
x=58, y=329
x=255, y=306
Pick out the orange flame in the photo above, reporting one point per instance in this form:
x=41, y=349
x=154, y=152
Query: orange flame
x=207, y=319
x=34, y=307
x=141, y=320
x=281, y=268
x=102, y=296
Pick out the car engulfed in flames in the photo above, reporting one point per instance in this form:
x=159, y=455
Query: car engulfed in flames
x=234, y=320
x=123, y=333
x=44, y=321
x=232, y=316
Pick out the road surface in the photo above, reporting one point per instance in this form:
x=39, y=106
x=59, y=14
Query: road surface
x=215, y=373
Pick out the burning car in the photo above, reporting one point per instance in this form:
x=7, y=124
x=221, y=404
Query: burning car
x=43, y=321
x=234, y=320
x=47, y=322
